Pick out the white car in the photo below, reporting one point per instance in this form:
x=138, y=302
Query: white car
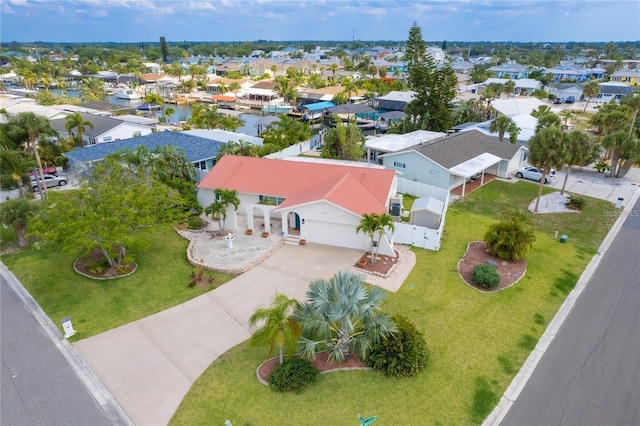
x=534, y=173
x=50, y=181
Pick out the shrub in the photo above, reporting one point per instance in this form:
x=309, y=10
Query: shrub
x=401, y=354
x=485, y=275
x=295, y=374
x=602, y=166
x=195, y=223
x=576, y=202
x=511, y=239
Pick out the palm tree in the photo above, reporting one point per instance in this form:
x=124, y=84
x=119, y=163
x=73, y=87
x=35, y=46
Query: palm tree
x=501, y=125
x=167, y=113
x=76, y=121
x=633, y=102
x=580, y=149
x=590, y=90
x=547, y=150
x=218, y=211
x=278, y=328
x=16, y=213
x=373, y=225
x=566, y=115
x=15, y=165
x=548, y=119
x=511, y=239
x=342, y=316
x=27, y=128
x=92, y=89
x=510, y=87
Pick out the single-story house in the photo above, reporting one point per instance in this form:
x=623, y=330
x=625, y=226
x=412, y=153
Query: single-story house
x=201, y=152
x=613, y=92
x=383, y=144
x=525, y=122
x=519, y=105
x=105, y=129
x=392, y=101
x=451, y=161
x=225, y=136
x=321, y=201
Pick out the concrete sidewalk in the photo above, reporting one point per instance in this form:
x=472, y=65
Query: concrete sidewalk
x=149, y=365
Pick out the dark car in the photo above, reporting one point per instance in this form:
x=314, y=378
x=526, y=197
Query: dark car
x=570, y=100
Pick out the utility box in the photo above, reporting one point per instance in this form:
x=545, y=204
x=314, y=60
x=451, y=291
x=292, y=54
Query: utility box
x=564, y=238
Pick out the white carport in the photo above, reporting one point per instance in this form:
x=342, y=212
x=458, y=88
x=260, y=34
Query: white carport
x=474, y=167
x=427, y=212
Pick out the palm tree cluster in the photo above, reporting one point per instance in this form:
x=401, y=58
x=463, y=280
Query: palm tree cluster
x=512, y=238
x=223, y=199
x=375, y=225
x=208, y=117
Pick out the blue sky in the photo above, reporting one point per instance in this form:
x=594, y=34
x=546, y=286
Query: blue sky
x=250, y=20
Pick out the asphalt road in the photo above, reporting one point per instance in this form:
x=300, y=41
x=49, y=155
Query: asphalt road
x=38, y=385
x=590, y=374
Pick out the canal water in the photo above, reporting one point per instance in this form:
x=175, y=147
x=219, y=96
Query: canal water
x=182, y=112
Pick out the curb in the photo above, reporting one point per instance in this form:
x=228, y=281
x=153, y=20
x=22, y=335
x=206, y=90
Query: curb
x=520, y=380
x=114, y=412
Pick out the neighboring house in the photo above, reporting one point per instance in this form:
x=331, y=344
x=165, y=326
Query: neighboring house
x=384, y=144
x=450, y=161
x=515, y=106
x=525, y=122
x=201, y=152
x=321, y=201
x=613, y=92
x=566, y=90
x=523, y=86
x=15, y=106
x=392, y=101
x=105, y=129
x=626, y=76
x=513, y=71
x=568, y=72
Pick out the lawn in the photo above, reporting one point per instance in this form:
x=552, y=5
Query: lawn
x=94, y=306
x=477, y=341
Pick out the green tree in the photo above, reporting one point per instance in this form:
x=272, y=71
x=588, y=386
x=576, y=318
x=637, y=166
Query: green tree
x=223, y=199
x=343, y=142
x=278, y=328
x=164, y=49
x=590, y=90
x=77, y=121
x=503, y=124
x=580, y=150
x=92, y=89
x=25, y=129
x=167, y=113
x=17, y=213
x=14, y=166
x=342, y=316
x=104, y=213
x=547, y=150
x=512, y=238
x=375, y=225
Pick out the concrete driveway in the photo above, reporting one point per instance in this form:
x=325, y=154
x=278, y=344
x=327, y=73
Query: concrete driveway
x=149, y=365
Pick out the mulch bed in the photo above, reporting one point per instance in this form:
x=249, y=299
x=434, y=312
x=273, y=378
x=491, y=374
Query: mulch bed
x=510, y=272
x=84, y=264
x=382, y=266
x=321, y=363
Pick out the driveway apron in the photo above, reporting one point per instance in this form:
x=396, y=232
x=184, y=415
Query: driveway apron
x=150, y=364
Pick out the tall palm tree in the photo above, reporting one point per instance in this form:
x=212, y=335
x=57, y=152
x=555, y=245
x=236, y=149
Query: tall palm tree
x=548, y=119
x=92, y=89
x=590, y=90
x=278, y=327
x=580, y=149
x=374, y=225
x=547, y=150
x=223, y=199
x=17, y=213
x=218, y=211
x=501, y=124
x=26, y=128
x=167, y=113
x=342, y=316
x=76, y=121
x=510, y=87
x=633, y=102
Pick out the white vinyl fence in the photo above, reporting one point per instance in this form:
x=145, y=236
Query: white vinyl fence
x=420, y=236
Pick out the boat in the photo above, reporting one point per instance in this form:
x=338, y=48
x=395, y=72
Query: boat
x=128, y=94
x=277, y=108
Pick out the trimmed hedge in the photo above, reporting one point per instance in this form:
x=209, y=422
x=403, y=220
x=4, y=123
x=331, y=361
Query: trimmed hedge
x=485, y=275
x=401, y=354
x=295, y=374
x=195, y=223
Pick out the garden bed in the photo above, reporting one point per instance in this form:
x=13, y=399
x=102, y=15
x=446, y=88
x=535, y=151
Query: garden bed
x=321, y=362
x=477, y=253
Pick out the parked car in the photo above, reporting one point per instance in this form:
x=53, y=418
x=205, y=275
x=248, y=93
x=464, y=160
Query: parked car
x=570, y=100
x=558, y=100
x=50, y=181
x=47, y=170
x=534, y=173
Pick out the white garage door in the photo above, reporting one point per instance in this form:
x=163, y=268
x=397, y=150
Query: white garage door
x=333, y=234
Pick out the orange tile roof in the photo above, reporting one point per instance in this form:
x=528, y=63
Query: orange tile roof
x=357, y=189
x=223, y=98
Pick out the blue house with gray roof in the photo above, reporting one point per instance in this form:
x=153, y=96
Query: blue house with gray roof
x=201, y=152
